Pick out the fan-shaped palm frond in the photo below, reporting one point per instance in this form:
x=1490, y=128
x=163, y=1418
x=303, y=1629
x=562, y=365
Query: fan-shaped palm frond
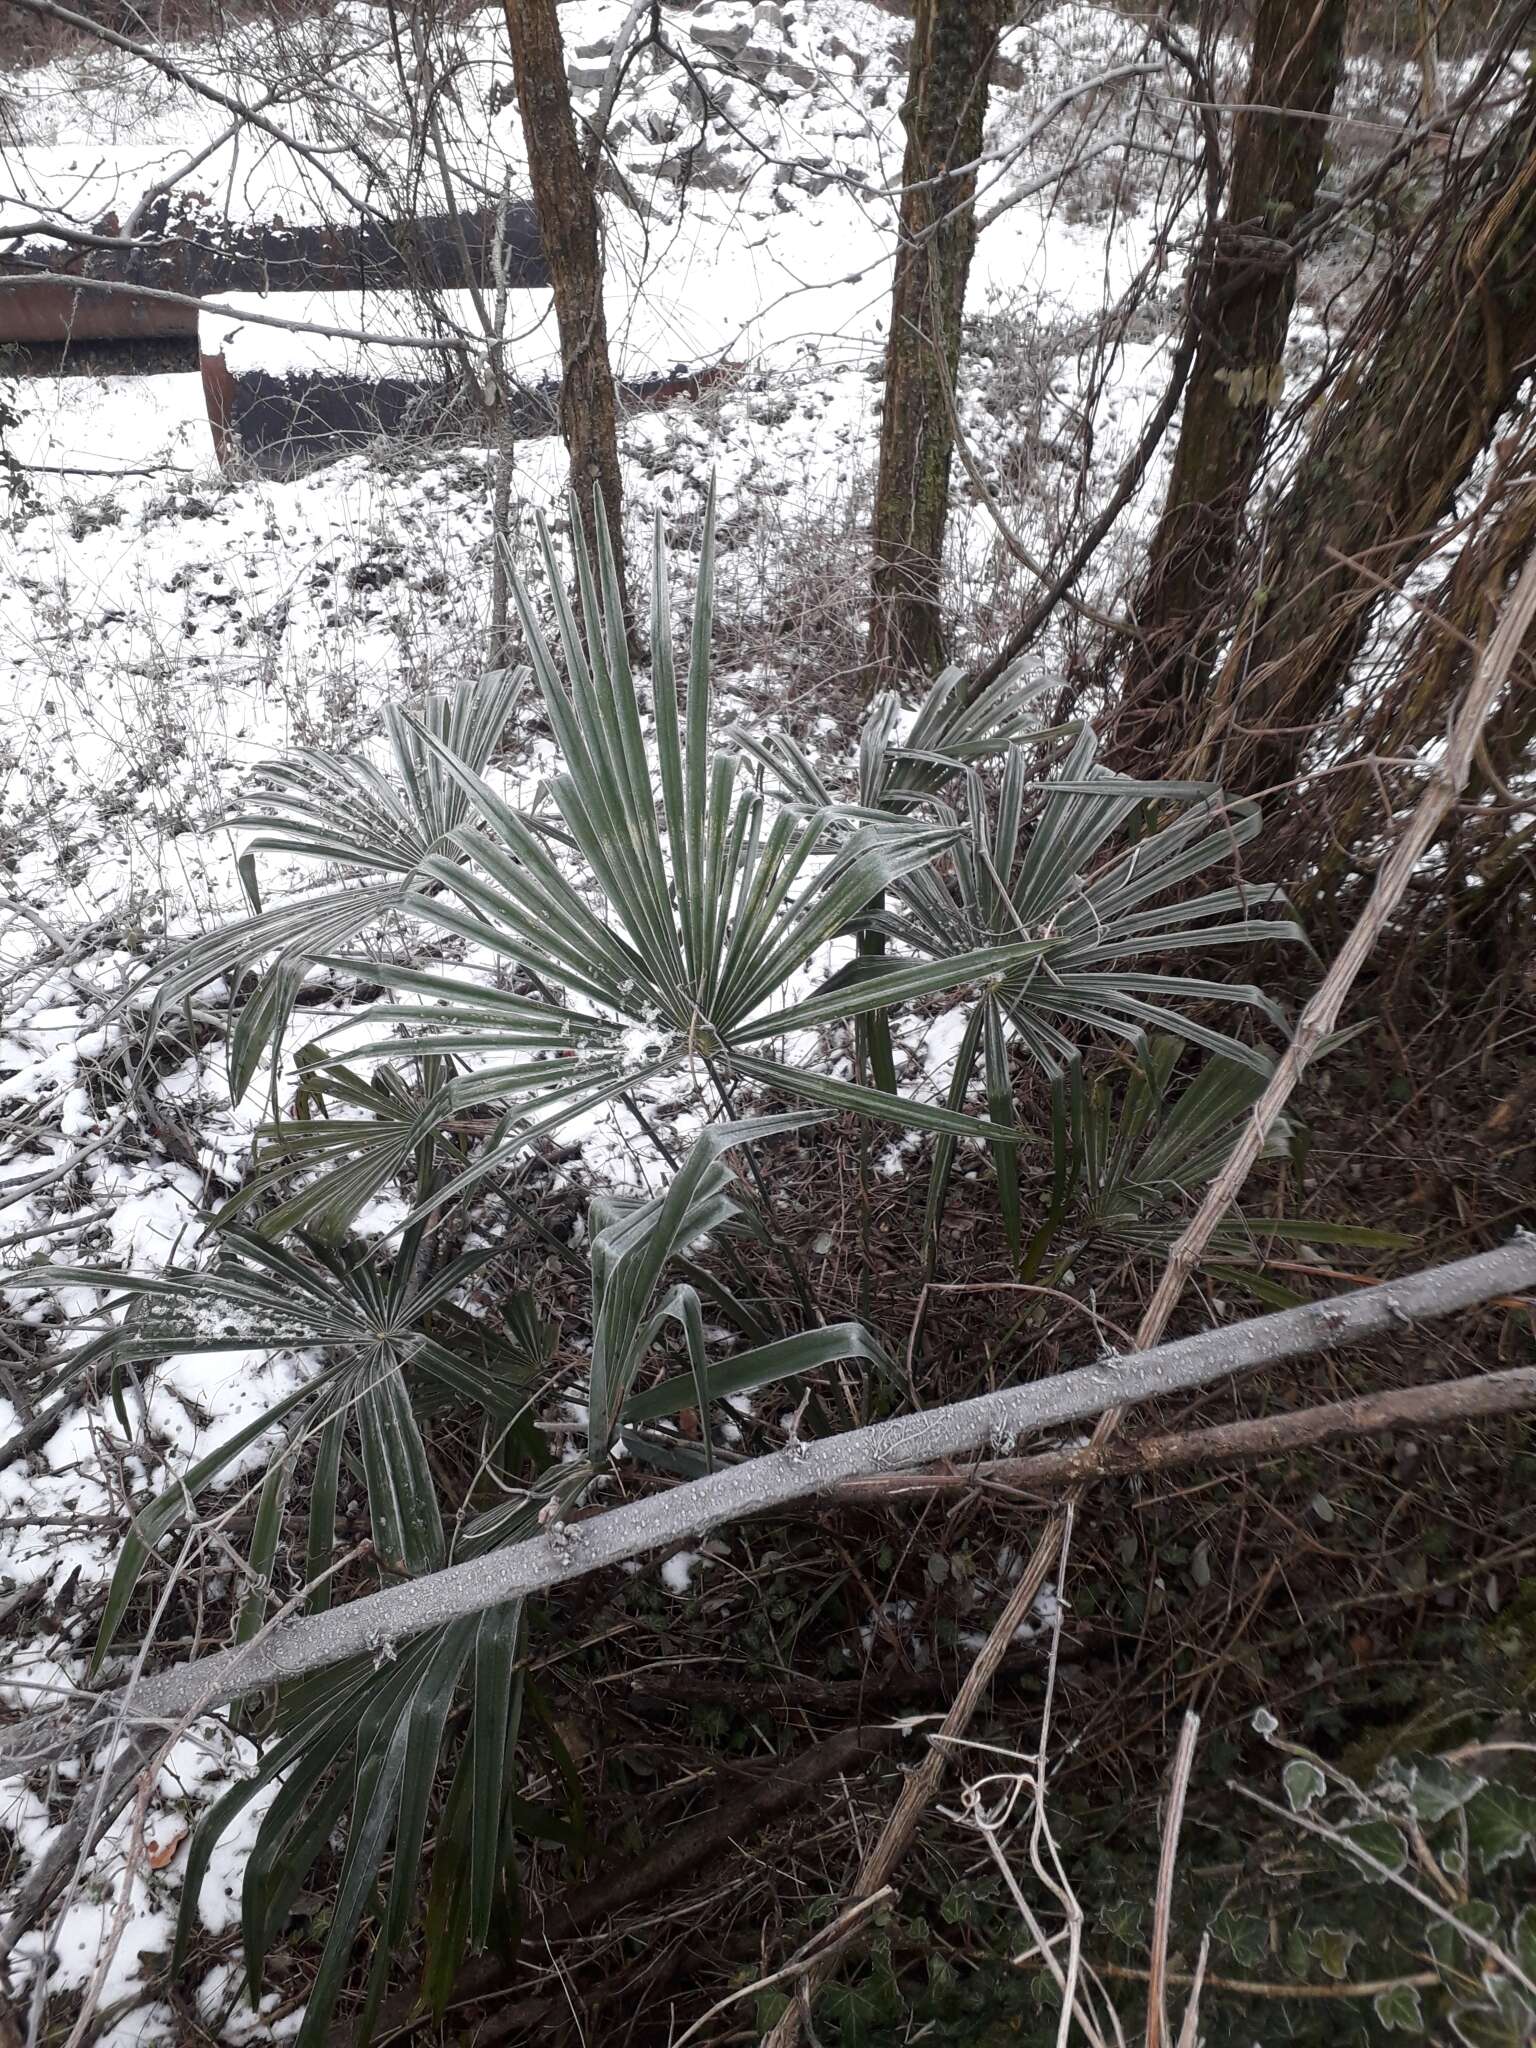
x=341, y=811
x=367, y=1746
x=650, y=931
x=951, y=732
x=429, y=1731
x=1088, y=870
x=1133, y=1155
x=367, y=1325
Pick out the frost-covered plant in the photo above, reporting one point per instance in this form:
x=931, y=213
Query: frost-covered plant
x=1132, y=1151
x=377, y=1744
x=378, y=1341
x=1088, y=872
x=651, y=927
x=1431, y=1862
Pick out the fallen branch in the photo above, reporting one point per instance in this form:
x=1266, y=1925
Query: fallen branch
x=1444, y=1403
x=252, y=315
x=1318, y=1021
x=375, y=1625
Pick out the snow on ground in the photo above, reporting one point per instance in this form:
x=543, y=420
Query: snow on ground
x=164, y=628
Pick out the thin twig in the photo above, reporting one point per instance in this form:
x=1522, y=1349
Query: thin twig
x=1167, y=1863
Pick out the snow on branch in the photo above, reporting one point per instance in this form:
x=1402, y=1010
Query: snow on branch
x=376, y=1624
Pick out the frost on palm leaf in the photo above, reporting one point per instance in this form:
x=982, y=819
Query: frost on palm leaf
x=650, y=928
x=1091, y=874
x=422, y=1739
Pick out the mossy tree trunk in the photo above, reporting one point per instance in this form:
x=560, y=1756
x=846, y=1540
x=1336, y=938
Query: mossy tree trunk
x=1397, y=438
x=1244, y=306
x=568, y=228
x=953, y=43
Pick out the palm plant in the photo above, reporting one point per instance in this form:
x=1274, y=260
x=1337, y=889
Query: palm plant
x=1132, y=1154
x=382, y=1740
x=384, y=1340
x=342, y=809
x=650, y=929
x=1026, y=867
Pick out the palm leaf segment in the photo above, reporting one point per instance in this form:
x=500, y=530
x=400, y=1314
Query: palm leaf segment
x=382, y=1737
x=341, y=810
x=652, y=929
x=632, y=1244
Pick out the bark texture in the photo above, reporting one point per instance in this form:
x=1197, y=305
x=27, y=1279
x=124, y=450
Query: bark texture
x=380, y=1621
x=1397, y=437
x=953, y=42
x=1243, y=307
x=568, y=231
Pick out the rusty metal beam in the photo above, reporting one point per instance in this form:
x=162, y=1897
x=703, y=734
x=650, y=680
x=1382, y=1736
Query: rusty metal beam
x=201, y=255
x=280, y=426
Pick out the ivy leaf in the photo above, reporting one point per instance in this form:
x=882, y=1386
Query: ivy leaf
x=1244, y=1936
x=1381, y=1842
x=1451, y=1951
x=1400, y=2008
x=1303, y=1783
x=1435, y=1789
x=1122, y=1921
x=1505, y=2021
x=1501, y=1824
x=862, y=2012
x=1523, y=1941
x=1331, y=1946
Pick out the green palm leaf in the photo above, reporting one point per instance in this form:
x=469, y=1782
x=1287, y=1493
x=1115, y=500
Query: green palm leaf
x=652, y=927
x=1133, y=1155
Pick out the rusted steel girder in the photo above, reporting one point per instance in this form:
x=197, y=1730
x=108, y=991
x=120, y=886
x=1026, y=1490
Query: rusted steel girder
x=203, y=255
x=280, y=426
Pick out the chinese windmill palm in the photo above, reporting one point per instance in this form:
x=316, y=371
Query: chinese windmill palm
x=952, y=731
x=1087, y=871
x=341, y=812
x=1133, y=1153
x=422, y=1739
x=379, y=1343
x=652, y=926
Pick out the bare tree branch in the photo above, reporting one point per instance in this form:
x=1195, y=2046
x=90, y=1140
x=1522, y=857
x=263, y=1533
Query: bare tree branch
x=251, y=314
x=570, y=1550
x=148, y=53
x=1441, y=1404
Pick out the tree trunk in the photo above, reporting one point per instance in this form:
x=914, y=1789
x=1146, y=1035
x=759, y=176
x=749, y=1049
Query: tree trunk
x=568, y=232
x=1238, y=374
x=1397, y=438
x=953, y=42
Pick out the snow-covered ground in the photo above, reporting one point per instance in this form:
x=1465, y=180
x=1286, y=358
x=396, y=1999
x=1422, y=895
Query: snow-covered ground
x=164, y=628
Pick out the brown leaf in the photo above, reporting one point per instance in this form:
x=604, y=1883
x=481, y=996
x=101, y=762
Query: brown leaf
x=159, y=1854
